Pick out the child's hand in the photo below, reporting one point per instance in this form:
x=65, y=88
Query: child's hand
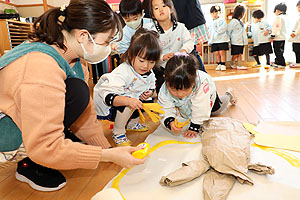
x=168, y=56
x=293, y=35
x=134, y=103
x=146, y=95
x=190, y=134
x=174, y=128
x=266, y=32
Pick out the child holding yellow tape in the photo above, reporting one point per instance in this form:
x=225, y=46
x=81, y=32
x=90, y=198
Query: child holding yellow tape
x=190, y=93
x=119, y=94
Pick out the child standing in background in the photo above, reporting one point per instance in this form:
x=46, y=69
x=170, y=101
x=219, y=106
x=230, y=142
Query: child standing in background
x=238, y=36
x=261, y=37
x=295, y=38
x=218, y=37
x=278, y=34
x=174, y=36
x=132, y=13
x=191, y=92
x=122, y=91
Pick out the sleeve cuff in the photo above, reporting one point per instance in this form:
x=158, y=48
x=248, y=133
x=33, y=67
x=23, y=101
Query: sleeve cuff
x=194, y=127
x=168, y=121
x=109, y=99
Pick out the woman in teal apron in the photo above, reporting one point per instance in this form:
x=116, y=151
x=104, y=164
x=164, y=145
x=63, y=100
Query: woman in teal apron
x=44, y=97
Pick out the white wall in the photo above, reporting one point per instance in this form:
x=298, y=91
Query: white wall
x=57, y=3
x=5, y=6
x=26, y=2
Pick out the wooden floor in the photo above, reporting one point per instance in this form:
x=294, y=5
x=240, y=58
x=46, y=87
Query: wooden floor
x=263, y=96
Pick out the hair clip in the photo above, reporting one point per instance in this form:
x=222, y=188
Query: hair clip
x=63, y=9
x=181, y=54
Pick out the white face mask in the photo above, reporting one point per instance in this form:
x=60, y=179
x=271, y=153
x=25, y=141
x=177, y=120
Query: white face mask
x=135, y=24
x=99, y=54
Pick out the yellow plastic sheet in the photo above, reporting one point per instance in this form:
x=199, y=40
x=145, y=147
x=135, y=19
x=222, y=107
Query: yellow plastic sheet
x=281, y=141
x=287, y=142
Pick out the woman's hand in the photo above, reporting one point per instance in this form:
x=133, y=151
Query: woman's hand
x=174, y=128
x=134, y=103
x=146, y=95
x=190, y=134
x=122, y=156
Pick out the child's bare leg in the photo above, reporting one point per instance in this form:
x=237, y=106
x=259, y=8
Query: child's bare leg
x=223, y=55
x=233, y=58
x=119, y=131
x=217, y=56
x=239, y=57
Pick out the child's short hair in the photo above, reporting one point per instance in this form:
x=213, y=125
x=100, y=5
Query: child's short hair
x=130, y=7
x=215, y=9
x=145, y=44
x=169, y=3
x=181, y=71
x=298, y=4
x=258, y=14
x=238, y=12
x=281, y=7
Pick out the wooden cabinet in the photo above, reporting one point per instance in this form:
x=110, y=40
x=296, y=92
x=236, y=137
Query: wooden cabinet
x=12, y=33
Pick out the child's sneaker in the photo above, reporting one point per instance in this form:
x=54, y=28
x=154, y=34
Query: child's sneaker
x=233, y=66
x=218, y=68
x=295, y=65
x=223, y=68
x=137, y=127
x=38, y=177
x=257, y=65
x=233, y=98
x=121, y=140
x=242, y=67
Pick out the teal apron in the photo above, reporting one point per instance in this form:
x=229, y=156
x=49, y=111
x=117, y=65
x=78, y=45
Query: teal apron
x=10, y=134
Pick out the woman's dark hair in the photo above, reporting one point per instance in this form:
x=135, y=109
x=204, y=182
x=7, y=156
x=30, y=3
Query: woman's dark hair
x=238, y=12
x=281, y=7
x=95, y=16
x=180, y=71
x=145, y=44
x=168, y=3
x=298, y=4
x=258, y=14
x=130, y=7
x=215, y=9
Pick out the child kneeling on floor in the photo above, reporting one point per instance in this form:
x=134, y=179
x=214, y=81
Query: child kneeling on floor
x=119, y=94
x=192, y=93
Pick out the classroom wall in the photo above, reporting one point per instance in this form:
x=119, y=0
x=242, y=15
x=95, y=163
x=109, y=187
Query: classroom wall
x=59, y=3
x=3, y=6
x=33, y=11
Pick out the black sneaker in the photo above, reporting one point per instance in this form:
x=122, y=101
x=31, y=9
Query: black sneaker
x=38, y=177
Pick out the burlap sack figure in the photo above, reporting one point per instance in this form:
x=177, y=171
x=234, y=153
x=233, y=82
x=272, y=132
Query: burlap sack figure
x=226, y=153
